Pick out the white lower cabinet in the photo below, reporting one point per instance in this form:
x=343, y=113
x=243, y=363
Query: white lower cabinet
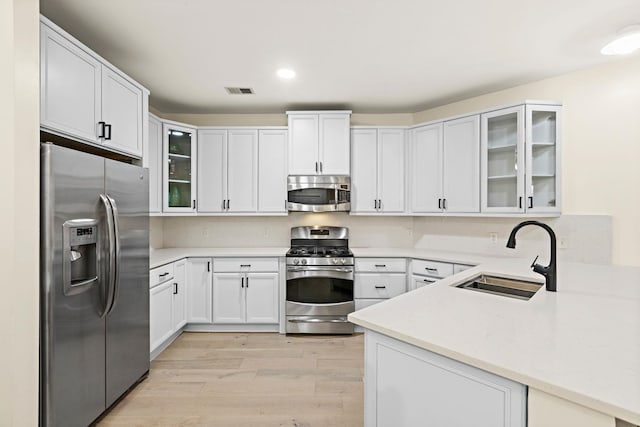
x=167, y=302
x=406, y=386
x=245, y=295
x=199, y=290
x=378, y=279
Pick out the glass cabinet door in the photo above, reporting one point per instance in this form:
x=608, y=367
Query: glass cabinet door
x=542, y=158
x=179, y=148
x=502, y=148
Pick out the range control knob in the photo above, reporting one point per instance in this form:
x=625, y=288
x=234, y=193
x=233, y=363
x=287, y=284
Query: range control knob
x=296, y=261
x=344, y=261
x=335, y=260
x=304, y=261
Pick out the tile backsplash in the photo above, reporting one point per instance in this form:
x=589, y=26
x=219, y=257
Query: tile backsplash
x=581, y=238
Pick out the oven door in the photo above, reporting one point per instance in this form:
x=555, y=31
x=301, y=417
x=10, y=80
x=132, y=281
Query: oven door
x=319, y=299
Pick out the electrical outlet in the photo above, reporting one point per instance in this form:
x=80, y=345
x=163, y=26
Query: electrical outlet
x=563, y=242
x=493, y=237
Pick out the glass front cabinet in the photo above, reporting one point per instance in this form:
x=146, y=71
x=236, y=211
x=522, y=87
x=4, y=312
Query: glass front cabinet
x=179, y=171
x=521, y=160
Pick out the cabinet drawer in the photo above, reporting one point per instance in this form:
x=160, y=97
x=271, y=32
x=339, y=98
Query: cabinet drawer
x=420, y=281
x=160, y=274
x=379, y=285
x=231, y=265
x=432, y=268
x=458, y=268
x=381, y=265
x=362, y=303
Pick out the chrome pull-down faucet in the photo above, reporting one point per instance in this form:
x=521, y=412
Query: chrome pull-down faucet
x=549, y=271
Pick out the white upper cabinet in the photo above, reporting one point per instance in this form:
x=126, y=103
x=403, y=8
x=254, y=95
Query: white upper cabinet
x=461, y=165
x=319, y=143
x=85, y=98
x=228, y=168
x=426, y=168
x=445, y=167
x=272, y=171
x=179, y=171
x=377, y=170
x=154, y=156
x=520, y=160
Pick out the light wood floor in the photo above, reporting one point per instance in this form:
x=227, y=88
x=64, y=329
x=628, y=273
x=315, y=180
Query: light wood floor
x=257, y=379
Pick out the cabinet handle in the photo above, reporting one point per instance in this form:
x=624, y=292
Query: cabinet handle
x=228, y=203
x=247, y=282
x=163, y=274
x=428, y=281
x=194, y=204
x=379, y=203
x=245, y=265
x=316, y=167
x=101, y=131
x=242, y=282
x=208, y=265
x=520, y=202
x=431, y=269
x=175, y=289
x=530, y=202
x=108, y=129
x=381, y=287
x=444, y=204
x=380, y=265
x=320, y=167
x=439, y=203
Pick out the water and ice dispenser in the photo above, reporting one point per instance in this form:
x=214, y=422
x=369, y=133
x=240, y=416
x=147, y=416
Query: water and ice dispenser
x=79, y=255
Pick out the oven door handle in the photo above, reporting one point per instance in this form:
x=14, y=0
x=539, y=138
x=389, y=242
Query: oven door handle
x=316, y=320
x=320, y=269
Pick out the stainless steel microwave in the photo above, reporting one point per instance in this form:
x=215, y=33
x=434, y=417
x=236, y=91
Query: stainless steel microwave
x=318, y=193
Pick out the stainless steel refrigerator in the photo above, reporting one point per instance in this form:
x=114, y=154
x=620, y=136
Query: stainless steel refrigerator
x=94, y=254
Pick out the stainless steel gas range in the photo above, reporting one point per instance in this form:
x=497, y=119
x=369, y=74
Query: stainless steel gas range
x=319, y=281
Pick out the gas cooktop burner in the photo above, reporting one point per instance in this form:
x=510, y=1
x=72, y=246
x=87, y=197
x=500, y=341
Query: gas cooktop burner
x=319, y=251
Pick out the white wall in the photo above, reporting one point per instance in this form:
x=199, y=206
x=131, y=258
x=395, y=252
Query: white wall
x=601, y=143
x=19, y=174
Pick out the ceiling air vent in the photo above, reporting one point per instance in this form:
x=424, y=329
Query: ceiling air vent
x=240, y=91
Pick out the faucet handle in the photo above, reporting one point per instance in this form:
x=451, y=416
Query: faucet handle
x=534, y=261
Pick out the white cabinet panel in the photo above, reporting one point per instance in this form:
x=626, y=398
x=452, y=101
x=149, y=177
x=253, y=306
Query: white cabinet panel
x=228, y=298
x=179, y=306
x=70, y=81
x=244, y=265
x=334, y=144
x=154, y=155
x=432, y=268
x=179, y=144
x=426, y=168
x=370, y=285
x=212, y=172
x=122, y=111
x=461, y=164
x=391, y=158
x=364, y=180
x=199, y=283
x=381, y=265
x=160, y=274
x=418, y=281
x=272, y=171
x=242, y=167
x=303, y=144
x=261, y=298
x=409, y=386
x=160, y=311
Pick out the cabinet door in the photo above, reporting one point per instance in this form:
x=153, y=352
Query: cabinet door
x=199, y=290
x=303, y=144
x=426, y=168
x=242, y=171
x=212, y=170
x=461, y=164
x=155, y=164
x=364, y=155
x=272, y=171
x=122, y=112
x=420, y=281
x=261, y=298
x=502, y=160
x=70, y=81
x=228, y=297
x=333, y=143
x=179, y=172
x=160, y=322
x=180, y=295
x=391, y=176
x=543, y=159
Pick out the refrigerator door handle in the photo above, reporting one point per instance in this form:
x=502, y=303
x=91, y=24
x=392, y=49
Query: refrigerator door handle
x=109, y=276
x=116, y=245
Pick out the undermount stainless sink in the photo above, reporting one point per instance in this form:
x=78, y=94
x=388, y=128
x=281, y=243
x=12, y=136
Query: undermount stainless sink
x=512, y=288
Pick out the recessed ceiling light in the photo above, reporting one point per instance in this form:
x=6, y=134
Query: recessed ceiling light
x=285, y=73
x=627, y=42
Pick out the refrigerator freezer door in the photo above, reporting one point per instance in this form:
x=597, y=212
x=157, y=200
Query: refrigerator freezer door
x=72, y=331
x=127, y=350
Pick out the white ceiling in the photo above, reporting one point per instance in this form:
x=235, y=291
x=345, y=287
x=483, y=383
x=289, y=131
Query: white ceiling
x=372, y=56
